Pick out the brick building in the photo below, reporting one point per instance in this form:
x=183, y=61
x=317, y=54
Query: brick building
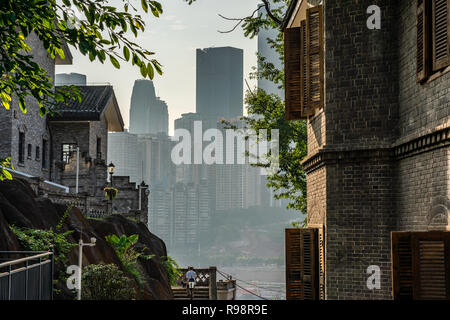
x=376, y=102
x=44, y=148
x=25, y=137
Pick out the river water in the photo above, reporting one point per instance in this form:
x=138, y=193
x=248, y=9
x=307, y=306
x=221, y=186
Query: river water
x=266, y=282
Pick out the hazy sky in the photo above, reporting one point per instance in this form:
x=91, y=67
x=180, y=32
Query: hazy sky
x=174, y=37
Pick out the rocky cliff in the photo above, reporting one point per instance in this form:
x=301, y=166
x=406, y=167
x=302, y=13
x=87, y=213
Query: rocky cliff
x=20, y=206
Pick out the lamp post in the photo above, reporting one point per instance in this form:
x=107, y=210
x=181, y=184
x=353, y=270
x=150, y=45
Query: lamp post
x=81, y=244
x=111, y=168
x=146, y=192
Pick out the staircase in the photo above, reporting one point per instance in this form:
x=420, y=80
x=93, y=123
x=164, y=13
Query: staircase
x=200, y=293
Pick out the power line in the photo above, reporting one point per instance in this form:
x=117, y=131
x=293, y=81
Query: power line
x=251, y=292
x=226, y=275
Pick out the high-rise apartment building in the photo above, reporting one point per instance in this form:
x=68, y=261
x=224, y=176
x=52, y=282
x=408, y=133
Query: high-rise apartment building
x=148, y=113
x=161, y=213
x=125, y=152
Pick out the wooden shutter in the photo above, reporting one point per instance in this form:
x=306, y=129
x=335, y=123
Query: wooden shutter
x=303, y=68
x=421, y=265
x=314, y=63
x=422, y=41
x=441, y=33
x=301, y=264
x=402, y=273
x=321, y=262
x=292, y=54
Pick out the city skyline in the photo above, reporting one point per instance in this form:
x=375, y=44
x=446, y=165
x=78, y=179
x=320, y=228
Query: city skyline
x=177, y=85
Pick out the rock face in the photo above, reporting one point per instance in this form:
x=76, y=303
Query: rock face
x=20, y=206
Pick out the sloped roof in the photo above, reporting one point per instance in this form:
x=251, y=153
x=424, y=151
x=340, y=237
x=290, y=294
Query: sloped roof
x=289, y=13
x=95, y=101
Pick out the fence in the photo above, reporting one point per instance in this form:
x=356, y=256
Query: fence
x=26, y=278
x=205, y=278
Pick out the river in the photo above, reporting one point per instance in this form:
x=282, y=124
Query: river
x=267, y=282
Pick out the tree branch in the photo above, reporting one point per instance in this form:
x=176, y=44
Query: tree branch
x=240, y=20
x=269, y=13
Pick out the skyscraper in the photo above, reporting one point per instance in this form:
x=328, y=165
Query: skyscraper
x=125, y=152
x=220, y=83
x=148, y=113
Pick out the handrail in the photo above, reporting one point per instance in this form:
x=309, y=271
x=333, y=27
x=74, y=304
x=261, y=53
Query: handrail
x=23, y=252
x=2, y=274
x=13, y=262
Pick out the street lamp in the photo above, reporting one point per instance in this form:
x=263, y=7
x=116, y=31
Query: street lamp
x=146, y=192
x=111, y=168
x=81, y=244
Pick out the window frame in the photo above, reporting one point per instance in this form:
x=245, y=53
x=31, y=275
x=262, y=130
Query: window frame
x=66, y=154
x=430, y=72
x=21, y=147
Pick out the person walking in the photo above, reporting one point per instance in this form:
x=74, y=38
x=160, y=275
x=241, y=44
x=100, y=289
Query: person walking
x=190, y=278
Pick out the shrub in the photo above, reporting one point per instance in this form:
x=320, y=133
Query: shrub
x=106, y=282
x=173, y=270
x=128, y=255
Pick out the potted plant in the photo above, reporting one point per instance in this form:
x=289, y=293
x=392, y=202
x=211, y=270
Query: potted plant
x=110, y=192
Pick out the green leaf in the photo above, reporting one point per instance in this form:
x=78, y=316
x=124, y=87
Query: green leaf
x=22, y=105
x=126, y=53
x=143, y=70
x=144, y=5
x=7, y=174
x=157, y=67
x=133, y=238
x=150, y=71
x=114, y=62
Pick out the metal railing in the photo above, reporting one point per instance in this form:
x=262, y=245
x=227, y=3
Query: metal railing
x=27, y=278
x=206, y=277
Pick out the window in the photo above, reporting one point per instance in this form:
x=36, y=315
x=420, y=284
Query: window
x=21, y=147
x=38, y=153
x=433, y=37
x=304, y=66
x=421, y=265
x=67, y=150
x=99, y=148
x=44, y=153
x=304, y=264
x=29, y=151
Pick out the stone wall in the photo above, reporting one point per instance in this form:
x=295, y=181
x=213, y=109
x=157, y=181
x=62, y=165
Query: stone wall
x=92, y=177
x=127, y=200
x=32, y=124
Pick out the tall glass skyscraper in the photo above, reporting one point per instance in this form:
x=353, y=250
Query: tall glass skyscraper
x=220, y=83
x=148, y=113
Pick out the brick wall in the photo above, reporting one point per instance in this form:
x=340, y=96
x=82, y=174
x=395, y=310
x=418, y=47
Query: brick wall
x=423, y=201
x=316, y=133
x=31, y=123
x=360, y=113
x=361, y=75
x=316, y=195
x=423, y=176
x=423, y=108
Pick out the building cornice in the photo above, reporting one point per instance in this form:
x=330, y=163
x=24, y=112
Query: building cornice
x=426, y=143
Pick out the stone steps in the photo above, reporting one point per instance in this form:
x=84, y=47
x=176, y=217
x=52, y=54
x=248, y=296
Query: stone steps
x=182, y=294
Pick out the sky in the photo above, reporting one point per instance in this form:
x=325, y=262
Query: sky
x=174, y=37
